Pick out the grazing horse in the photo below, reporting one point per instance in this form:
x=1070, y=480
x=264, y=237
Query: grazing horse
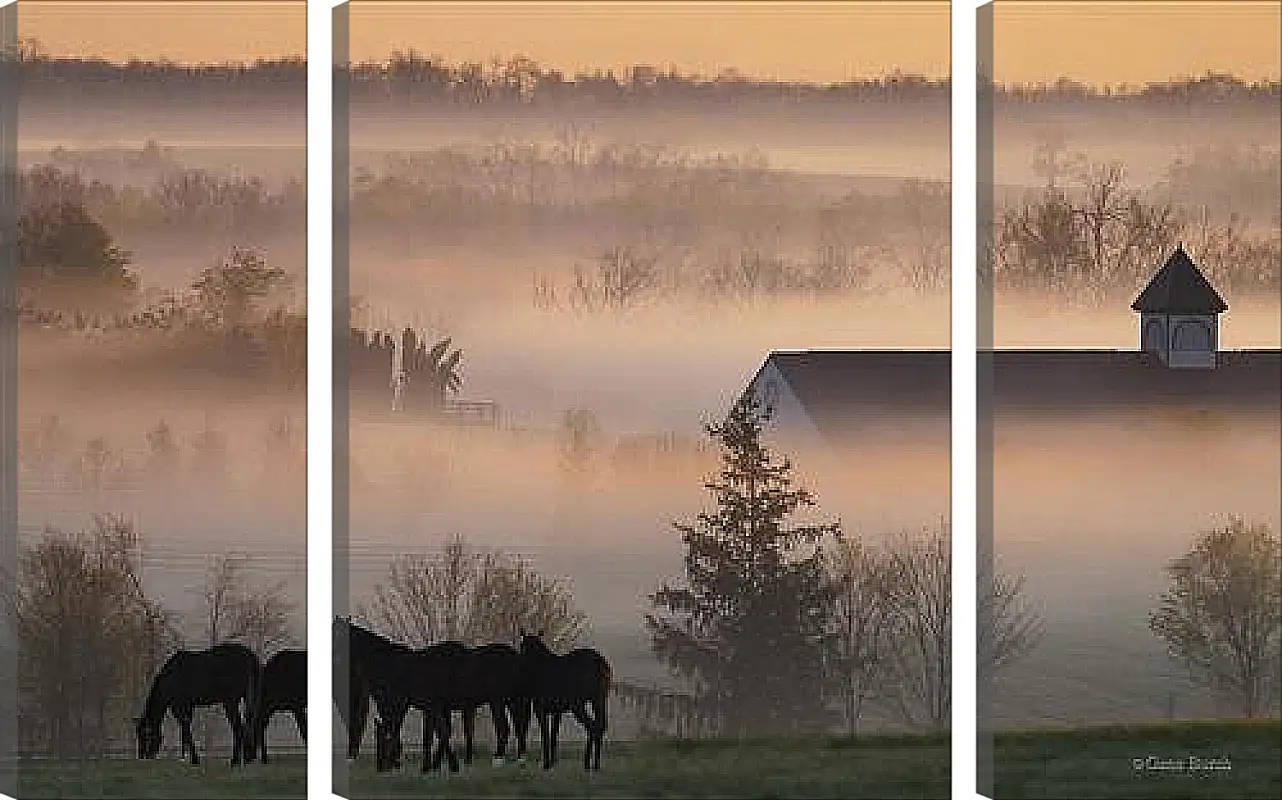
x=226, y=673
x=557, y=684
x=431, y=680
x=284, y=688
x=355, y=659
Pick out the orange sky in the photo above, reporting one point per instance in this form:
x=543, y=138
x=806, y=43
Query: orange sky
x=1134, y=42
x=815, y=41
x=1092, y=41
x=227, y=30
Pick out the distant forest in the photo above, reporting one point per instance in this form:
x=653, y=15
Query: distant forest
x=520, y=80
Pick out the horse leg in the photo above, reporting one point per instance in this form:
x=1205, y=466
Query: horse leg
x=184, y=726
x=380, y=745
x=440, y=721
x=252, y=740
x=431, y=728
x=469, y=728
x=356, y=727
x=545, y=737
x=599, y=712
x=232, y=709
x=387, y=733
x=445, y=733
x=393, y=736
x=556, y=733
x=498, y=714
x=580, y=712
x=259, y=727
x=520, y=710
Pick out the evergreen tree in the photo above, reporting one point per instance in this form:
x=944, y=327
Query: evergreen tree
x=753, y=623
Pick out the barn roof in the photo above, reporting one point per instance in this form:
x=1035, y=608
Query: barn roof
x=839, y=388
x=834, y=386
x=1179, y=287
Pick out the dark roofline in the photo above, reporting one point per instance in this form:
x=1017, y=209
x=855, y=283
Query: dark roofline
x=1063, y=381
x=1193, y=294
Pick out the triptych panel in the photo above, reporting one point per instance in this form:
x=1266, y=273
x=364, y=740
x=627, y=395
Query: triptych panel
x=156, y=288
x=1130, y=391
x=643, y=403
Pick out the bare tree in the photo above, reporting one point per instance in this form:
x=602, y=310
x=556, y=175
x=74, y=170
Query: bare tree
x=916, y=675
x=621, y=278
x=863, y=618
x=927, y=207
x=1221, y=617
x=1091, y=236
x=1008, y=628
x=162, y=449
x=469, y=596
x=99, y=463
x=915, y=682
x=237, y=609
x=90, y=639
x=1102, y=209
x=580, y=436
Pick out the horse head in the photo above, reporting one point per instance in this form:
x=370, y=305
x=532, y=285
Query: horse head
x=532, y=644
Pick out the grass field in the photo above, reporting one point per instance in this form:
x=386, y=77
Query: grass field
x=1079, y=764
x=884, y=767
x=1099, y=762
x=285, y=776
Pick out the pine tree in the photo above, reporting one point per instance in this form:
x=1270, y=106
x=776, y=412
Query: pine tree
x=752, y=625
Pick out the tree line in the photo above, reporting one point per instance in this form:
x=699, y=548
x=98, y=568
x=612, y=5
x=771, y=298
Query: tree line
x=1088, y=234
x=1210, y=89
x=179, y=198
x=519, y=79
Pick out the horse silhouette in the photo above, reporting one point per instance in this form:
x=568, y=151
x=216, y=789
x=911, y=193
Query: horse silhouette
x=431, y=680
x=560, y=683
x=284, y=688
x=353, y=704
x=229, y=674
x=355, y=659
x=494, y=677
x=490, y=675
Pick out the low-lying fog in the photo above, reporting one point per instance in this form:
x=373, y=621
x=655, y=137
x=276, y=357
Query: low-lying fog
x=1026, y=321
x=1091, y=510
x=253, y=503
x=1145, y=139
x=901, y=141
x=661, y=368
